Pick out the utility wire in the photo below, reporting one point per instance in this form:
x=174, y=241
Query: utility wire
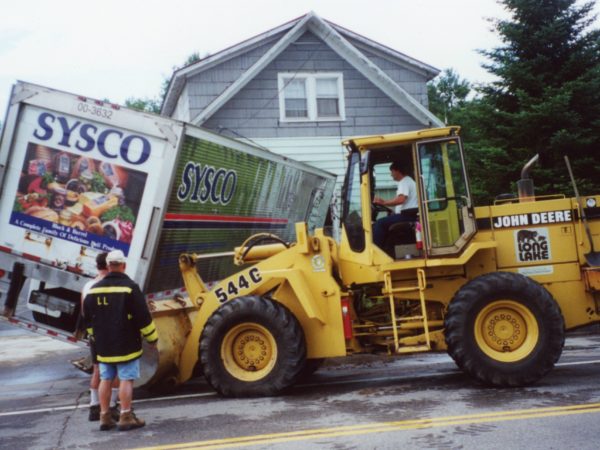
x=222, y=128
x=279, y=91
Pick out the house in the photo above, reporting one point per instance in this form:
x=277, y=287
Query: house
x=303, y=87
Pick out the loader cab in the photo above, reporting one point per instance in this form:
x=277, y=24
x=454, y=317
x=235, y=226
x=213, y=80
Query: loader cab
x=445, y=220
x=388, y=170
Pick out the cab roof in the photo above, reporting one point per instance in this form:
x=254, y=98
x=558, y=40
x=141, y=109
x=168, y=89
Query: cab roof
x=368, y=142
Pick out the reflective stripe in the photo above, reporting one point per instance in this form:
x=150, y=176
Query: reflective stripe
x=153, y=337
x=118, y=359
x=90, y=331
x=111, y=290
x=148, y=329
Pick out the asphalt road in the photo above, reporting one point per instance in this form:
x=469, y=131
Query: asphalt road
x=413, y=402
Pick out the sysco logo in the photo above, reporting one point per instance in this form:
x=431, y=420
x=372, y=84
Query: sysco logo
x=85, y=137
x=199, y=184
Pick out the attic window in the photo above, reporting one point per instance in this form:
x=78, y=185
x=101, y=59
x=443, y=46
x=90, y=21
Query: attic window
x=305, y=97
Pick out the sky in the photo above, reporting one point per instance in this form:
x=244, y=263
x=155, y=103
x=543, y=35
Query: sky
x=118, y=49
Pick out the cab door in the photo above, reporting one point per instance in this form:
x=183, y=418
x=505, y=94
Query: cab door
x=449, y=220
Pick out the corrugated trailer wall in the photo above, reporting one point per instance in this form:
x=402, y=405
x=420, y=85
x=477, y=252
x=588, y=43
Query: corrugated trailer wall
x=222, y=195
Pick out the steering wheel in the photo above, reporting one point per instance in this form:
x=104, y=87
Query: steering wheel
x=377, y=208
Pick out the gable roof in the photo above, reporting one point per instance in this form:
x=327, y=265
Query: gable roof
x=284, y=35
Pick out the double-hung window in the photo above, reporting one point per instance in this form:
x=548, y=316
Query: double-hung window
x=311, y=97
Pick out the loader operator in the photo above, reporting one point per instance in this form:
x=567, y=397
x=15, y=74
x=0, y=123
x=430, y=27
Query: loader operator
x=405, y=202
x=117, y=316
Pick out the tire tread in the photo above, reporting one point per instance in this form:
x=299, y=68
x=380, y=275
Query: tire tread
x=461, y=343
x=291, y=347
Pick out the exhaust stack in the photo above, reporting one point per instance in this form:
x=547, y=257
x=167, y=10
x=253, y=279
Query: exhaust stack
x=525, y=184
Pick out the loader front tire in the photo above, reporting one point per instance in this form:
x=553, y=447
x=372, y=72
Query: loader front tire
x=251, y=347
x=504, y=329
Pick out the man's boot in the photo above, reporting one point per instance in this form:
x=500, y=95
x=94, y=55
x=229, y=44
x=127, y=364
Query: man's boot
x=128, y=421
x=94, y=414
x=106, y=421
x=115, y=412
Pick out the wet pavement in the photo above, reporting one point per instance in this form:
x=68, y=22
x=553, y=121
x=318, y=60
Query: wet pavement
x=364, y=402
x=36, y=370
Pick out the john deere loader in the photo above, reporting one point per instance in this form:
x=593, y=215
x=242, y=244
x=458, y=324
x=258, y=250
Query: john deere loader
x=496, y=286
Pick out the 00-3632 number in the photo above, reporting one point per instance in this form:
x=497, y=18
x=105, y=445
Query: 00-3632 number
x=94, y=110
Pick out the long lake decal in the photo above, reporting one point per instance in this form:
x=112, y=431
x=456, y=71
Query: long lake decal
x=541, y=218
x=532, y=244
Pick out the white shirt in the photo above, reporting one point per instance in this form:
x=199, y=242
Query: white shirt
x=88, y=286
x=408, y=188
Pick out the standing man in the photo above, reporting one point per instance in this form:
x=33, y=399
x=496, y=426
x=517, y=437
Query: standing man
x=117, y=315
x=405, y=202
x=94, y=414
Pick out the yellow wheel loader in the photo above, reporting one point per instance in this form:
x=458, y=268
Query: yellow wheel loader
x=495, y=286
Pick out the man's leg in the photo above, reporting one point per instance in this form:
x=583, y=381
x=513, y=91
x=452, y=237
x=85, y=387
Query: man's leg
x=94, y=385
x=107, y=374
x=104, y=392
x=114, y=396
x=94, y=414
x=126, y=394
x=95, y=378
x=128, y=372
x=381, y=227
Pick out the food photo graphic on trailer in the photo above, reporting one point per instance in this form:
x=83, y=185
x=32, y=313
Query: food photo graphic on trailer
x=77, y=198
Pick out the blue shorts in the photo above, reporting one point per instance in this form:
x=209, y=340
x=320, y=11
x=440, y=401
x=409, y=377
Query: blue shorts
x=129, y=370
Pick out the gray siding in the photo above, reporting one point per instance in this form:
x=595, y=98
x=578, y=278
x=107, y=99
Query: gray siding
x=254, y=111
x=412, y=82
x=209, y=84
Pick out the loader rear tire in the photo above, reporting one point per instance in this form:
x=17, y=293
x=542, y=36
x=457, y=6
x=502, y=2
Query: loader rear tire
x=252, y=347
x=504, y=329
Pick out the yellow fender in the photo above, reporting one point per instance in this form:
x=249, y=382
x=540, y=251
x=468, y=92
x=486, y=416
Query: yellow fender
x=299, y=277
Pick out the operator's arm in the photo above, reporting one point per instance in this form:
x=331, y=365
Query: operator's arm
x=397, y=200
x=402, y=194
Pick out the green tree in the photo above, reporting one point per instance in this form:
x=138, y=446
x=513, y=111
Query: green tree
x=144, y=104
x=546, y=98
x=448, y=98
x=447, y=94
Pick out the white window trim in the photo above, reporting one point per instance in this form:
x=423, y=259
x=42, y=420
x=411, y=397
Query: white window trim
x=311, y=96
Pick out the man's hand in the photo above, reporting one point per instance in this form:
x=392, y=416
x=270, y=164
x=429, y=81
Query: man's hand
x=378, y=200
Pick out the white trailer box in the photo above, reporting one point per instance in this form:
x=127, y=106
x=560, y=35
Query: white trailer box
x=80, y=176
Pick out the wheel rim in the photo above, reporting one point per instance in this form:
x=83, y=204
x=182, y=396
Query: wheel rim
x=249, y=351
x=506, y=331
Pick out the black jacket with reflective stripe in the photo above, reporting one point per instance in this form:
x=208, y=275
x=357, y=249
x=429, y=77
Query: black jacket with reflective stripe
x=117, y=316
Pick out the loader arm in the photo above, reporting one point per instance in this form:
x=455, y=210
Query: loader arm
x=299, y=277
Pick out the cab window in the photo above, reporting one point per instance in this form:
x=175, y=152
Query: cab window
x=447, y=198
x=352, y=211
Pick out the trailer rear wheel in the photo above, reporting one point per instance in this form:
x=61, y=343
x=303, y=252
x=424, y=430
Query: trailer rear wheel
x=250, y=347
x=504, y=329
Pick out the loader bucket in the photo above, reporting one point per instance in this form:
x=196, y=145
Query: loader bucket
x=173, y=319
